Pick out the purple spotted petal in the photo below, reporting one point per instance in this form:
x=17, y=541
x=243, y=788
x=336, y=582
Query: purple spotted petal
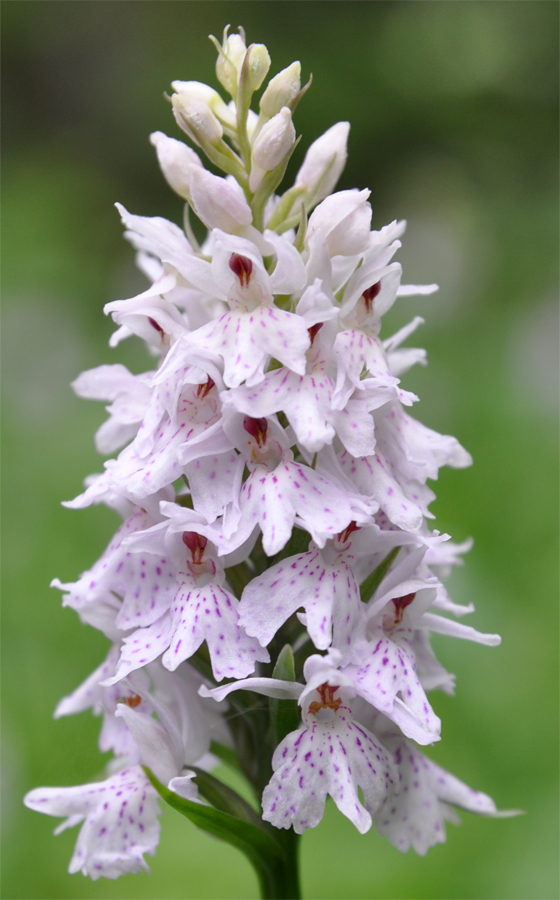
x=210, y=614
x=143, y=475
x=386, y=677
x=121, y=822
x=327, y=593
x=414, y=814
x=355, y=353
x=305, y=399
x=143, y=646
x=146, y=582
x=245, y=340
x=215, y=482
x=355, y=428
x=325, y=758
x=373, y=477
x=272, y=500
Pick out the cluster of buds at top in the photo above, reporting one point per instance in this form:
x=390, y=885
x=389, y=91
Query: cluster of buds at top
x=276, y=530
x=254, y=149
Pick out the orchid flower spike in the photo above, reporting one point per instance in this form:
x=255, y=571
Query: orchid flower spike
x=272, y=585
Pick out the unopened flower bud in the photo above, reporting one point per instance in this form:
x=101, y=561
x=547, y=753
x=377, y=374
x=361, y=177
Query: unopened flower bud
x=197, y=120
x=257, y=64
x=197, y=90
x=281, y=90
x=343, y=220
x=324, y=162
x=274, y=141
x=229, y=62
x=174, y=159
x=217, y=203
x=235, y=49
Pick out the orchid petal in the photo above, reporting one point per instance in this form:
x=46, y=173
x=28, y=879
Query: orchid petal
x=121, y=822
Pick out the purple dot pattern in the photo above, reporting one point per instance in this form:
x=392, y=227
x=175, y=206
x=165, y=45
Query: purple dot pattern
x=327, y=759
x=272, y=423
x=272, y=500
x=415, y=811
x=358, y=352
x=120, y=822
x=328, y=593
x=211, y=614
x=387, y=679
x=245, y=340
x=145, y=583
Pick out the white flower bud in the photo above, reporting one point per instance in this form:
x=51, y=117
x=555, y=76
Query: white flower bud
x=197, y=120
x=235, y=49
x=281, y=90
x=217, y=203
x=174, y=159
x=257, y=64
x=327, y=151
x=343, y=221
x=229, y=62
x=274, y=141
x=197, y=90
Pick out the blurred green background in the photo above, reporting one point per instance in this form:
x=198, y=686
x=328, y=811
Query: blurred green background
x=453, y=108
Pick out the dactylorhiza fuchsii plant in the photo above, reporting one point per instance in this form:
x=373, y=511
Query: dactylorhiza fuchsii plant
x=270, y=594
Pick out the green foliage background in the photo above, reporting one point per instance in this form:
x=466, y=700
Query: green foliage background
x=453, y=108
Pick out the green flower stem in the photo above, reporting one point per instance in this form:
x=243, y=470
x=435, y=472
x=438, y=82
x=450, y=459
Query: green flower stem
x=283, y=883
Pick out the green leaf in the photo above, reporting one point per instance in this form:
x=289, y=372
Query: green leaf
x=372, y=582
x=184, y=500
x=301, y=93
x=225, y=798
x=262, y=850
x=187, y=227
x=284, y=714
x=226, y=754
x=285, y=669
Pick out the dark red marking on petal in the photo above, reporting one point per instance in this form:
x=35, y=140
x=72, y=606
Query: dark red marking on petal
x=400, y=604
x=314, y=330
x=242, y=267
x=370, y=294
x=328, y=700
x=204, y=389
x=257, y=428
x=344, y=535
x=155, y=325
x=196, y=544
x=133, y=701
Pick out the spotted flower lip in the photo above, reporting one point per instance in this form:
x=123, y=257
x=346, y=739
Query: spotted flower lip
x=334, y=757
x=328, y=755
x=273, y=489
x=109, y=845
